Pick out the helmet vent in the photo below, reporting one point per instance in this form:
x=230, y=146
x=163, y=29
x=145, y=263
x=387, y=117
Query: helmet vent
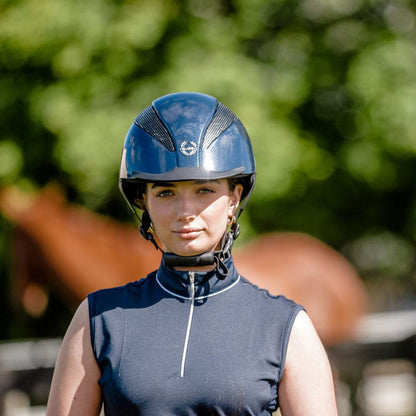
x=151, y=124
x=222, y=119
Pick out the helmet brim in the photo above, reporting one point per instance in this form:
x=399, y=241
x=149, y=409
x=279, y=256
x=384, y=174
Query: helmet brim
x=184, y=174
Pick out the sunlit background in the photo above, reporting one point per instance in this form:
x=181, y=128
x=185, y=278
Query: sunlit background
x=327, y=92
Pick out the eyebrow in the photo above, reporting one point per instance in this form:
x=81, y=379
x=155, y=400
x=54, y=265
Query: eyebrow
x=173, y=184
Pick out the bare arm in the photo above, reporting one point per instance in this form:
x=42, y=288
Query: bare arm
x=307, y=387
x=75, y=390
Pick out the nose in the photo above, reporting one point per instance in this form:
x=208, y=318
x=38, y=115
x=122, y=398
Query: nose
x=186, y=210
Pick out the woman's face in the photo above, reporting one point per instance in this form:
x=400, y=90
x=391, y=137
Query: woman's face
x=190, y=217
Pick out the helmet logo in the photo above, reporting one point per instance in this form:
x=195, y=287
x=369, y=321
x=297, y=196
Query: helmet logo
x=188, y=148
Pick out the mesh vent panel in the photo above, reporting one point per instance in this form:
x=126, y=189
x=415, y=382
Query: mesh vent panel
x=151, y=124
x=222, y=119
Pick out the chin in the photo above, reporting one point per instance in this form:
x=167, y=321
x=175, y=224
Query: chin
x=193, y=250
x=188, y=253
x=192, y=247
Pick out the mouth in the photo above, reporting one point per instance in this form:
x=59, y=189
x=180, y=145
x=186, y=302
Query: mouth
x=188, y=234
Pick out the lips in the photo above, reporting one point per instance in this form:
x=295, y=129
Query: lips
x=188, y=233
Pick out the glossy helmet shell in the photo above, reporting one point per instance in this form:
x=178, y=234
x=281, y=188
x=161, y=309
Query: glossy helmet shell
x=186, y=136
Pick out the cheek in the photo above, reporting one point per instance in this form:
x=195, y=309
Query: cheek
x=159, y=215
x=218, y=214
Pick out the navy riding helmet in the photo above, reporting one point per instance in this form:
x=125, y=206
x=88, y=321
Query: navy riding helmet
x=186, y=136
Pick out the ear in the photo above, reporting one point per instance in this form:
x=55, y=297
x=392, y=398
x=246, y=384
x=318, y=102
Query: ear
x=140, y=200
x=140, y=203
x=235, y=198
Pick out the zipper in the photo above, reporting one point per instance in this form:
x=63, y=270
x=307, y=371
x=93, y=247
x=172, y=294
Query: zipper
x=188, y=329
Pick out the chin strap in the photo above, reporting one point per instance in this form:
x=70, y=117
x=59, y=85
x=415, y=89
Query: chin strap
x=205, y=259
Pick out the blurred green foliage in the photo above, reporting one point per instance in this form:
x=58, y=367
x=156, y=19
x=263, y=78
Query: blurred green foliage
x=326, y=89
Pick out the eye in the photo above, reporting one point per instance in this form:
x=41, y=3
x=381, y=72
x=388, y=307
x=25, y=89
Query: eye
x=164, y=193
x=205, y=190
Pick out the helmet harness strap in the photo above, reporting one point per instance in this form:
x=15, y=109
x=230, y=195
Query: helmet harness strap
x=144, y=228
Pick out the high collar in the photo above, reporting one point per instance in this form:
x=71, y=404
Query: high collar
x=206, y=283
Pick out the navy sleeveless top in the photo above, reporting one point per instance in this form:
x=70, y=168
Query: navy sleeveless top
x=183, y=343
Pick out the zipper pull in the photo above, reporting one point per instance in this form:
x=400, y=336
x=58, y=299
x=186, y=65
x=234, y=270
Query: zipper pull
x=192, y=287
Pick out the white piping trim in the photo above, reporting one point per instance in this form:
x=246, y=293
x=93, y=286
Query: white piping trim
x=199, y=297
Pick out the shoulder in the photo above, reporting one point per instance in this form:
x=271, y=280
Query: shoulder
x=305, y=345
x=276, y=301
x=306, y=360
x=277, y=311
x=303, y=332
x=74, y=387
x=113, y=297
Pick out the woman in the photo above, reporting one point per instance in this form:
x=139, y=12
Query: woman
x=194, y=337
